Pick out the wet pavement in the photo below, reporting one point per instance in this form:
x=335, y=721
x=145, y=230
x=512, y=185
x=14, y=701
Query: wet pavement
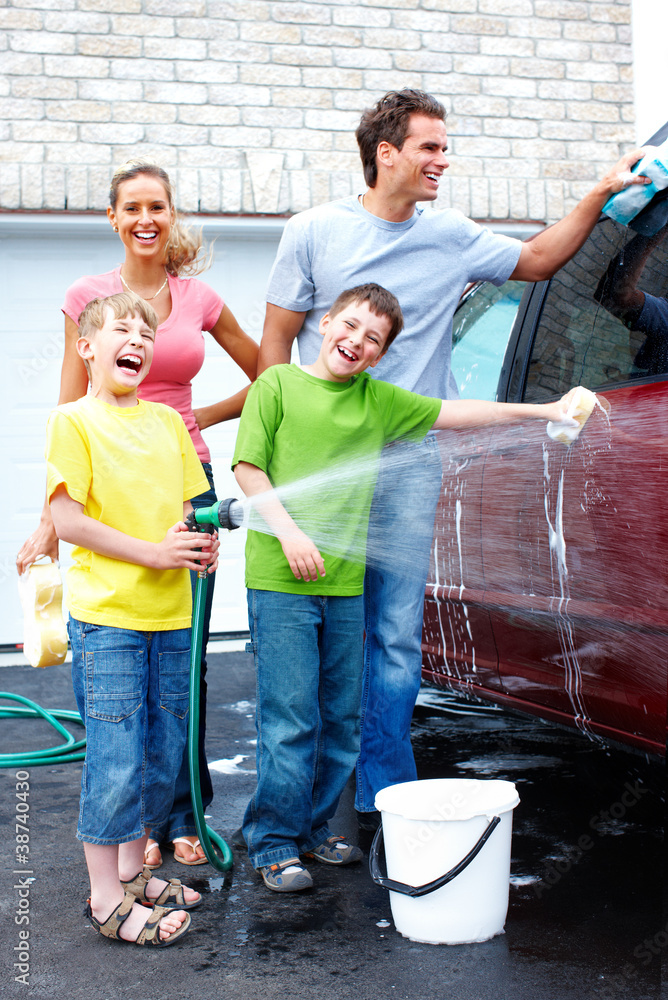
x=586, y=916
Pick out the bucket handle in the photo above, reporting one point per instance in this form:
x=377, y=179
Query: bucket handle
x=422, y=890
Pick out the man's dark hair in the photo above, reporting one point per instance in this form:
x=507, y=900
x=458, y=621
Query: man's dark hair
x=387, y=121
x=380, y=302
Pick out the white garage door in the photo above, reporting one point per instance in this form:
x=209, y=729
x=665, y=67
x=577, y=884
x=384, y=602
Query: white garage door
x=39, y=257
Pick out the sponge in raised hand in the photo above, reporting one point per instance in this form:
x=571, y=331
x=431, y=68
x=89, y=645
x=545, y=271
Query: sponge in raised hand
x=579, y=410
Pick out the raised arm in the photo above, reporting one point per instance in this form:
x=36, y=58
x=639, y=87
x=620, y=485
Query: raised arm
x=73, y=385
x=542, y=256
x=302, y=555
x=281, y=326
x=461, y=414
x=244, y=352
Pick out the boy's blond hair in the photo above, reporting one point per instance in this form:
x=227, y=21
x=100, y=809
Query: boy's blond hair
x=380, y=303
x=122, y=304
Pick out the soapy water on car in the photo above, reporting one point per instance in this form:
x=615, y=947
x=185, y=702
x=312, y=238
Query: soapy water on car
x=525, y=538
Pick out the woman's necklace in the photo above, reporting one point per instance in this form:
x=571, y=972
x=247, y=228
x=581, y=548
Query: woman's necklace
x=146, y=298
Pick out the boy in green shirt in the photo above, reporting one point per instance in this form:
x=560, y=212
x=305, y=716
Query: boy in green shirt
x=305, y=607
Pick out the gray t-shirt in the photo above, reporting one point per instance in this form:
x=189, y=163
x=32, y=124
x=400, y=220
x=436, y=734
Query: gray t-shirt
x=426, y=262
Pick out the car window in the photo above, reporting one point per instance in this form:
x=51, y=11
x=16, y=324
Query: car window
x=604, y=320
x=480, y=333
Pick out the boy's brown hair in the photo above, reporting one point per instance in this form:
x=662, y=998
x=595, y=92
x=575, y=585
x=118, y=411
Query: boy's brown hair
x=122, y=304
x=380, y=302
x=388, y=120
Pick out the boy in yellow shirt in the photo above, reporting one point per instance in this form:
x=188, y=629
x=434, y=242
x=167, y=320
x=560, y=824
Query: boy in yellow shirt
x=121, y=472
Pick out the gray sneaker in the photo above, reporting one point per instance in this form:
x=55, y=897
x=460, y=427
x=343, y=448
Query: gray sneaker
x=335, y=851
x=288, y=876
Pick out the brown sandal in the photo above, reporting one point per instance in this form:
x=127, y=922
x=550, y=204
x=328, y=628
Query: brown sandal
x=150, y=932
x=172, y=896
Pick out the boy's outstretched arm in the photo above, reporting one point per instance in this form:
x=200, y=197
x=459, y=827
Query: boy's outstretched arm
x=460, y=414
x=304, y=558
x=177, y=550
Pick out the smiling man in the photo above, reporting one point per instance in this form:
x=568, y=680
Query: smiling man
x=426, y=258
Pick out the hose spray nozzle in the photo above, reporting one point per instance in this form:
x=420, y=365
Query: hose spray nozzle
x=224, y=514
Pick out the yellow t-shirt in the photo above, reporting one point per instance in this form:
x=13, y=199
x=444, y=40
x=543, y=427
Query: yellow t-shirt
x=132, y=468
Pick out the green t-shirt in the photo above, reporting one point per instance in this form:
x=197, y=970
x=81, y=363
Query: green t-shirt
x=325, y=438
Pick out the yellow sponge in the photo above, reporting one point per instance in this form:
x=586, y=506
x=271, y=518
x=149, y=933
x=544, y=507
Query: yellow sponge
x=44, y=631
x=580, y=407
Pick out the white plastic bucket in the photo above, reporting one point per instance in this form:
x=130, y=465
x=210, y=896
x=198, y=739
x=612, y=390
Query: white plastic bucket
x=454, y=832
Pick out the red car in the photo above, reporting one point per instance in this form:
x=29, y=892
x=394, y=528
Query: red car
x=548, y=590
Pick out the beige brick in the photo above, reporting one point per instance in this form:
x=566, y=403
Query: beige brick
x=176, y=8
x=567, y=130
x=517, y=192
x=341, y=184
x=620, y=93
x=231, y=190
x=538, y=68
x=584, y=31
x=480, y=106
x=240, y=96
x=628, y=113
x=443, y=88
x=530, y=27
x=207, y=114
x=272, y=117
x=456, y=6
x=334, y=36
x=447, y=41
x=510, y=128
x=536, y=200
x=518, y=47
x=421, y=20
x=513, y=167
x=354, y=100
x=297, y=55
x=53, y=179
x=10, y=184
x=80, y=67
x=206, y=71
x=301, y=13
x=499, y=200
x=333, y=121
x=624, y=34
x=44, y=131
x=509, y=86
x=405, y=4
x=333, y=161
x=484, y=146
x=592, y=111
x=363, y=17
x=613, y=13
x=276, y=76
x=108, y=45
x=302, y=97
x=41, y=41
x=460, y=194
x=388, y=38
x=99, y=179
x=210, y=192
x=142, y=25
x=563, y=90
x=336, y=78
x=300, y=190
x=611, y=53
x=563, y=10
x=112, y=6
x=46, y=4
x=42, y=86
x=98, y=90
x=305, y=140
x=257, y=138
x=211, y=30
x=78, y=152
x=474, y=25
x=345, y=142
x=111, y=133
x=175, y=93
x=538, y=149
x=209, y=156
x=554, y=198
x=75, y=22
x=479, y=192
x=10, y=108
x=187, y=190
x=596, y=72
x=140, y=112
x=587, y=152
x=538, y=109
x=21, y=152
x=240, y=10
x=507, y=8
x=424, y=61
x=18, y=20
x=79, y=111
x=462, y=125
x=164, y=155
x=548, y=49
x=481, y=65
x=240, y=52
x=177, y=134
x=379, y=82
x=618, y=133
x=267, y=31
x=626, y=74
x=293, y=159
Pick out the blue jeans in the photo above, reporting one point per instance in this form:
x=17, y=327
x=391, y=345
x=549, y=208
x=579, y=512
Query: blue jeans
x=308, y=658
x=131, y=690
x=404, y=506
x=181, y=821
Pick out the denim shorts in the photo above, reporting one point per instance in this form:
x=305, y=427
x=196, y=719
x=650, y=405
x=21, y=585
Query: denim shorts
x=132, y=693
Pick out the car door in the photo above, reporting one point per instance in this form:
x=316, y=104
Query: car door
x=574, y=539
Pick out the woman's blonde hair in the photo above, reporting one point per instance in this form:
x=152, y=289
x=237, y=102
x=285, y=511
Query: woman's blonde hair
x=185, y=254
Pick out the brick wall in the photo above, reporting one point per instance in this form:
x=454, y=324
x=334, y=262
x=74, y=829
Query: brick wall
x=251, y=105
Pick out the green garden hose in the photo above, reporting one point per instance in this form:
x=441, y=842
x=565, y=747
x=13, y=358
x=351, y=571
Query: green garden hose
x=71, y=750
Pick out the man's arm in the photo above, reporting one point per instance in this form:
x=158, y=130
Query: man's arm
x=304, y=558
x=542, y=256
x=175, y=551
x=281, y=326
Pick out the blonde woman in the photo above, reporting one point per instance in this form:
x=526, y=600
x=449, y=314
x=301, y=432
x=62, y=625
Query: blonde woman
x=162, y=257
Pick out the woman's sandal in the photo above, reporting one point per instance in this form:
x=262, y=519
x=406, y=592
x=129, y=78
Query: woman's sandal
x=150, y=932
x=172, y=896
x=152, y=845
x=193, y=845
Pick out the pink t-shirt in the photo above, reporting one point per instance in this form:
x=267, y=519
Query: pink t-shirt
x=179, y=344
